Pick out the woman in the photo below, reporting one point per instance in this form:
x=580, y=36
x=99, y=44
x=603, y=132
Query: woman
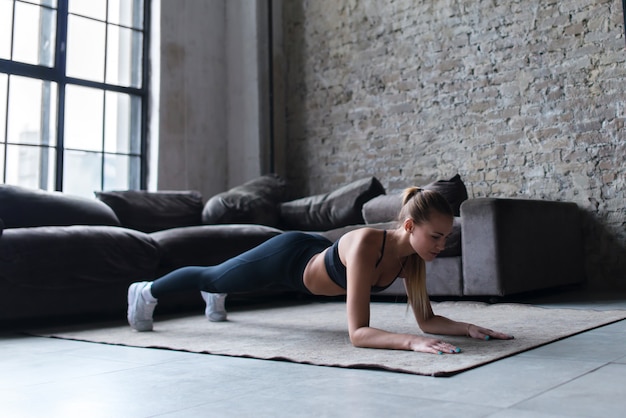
x=362, y=261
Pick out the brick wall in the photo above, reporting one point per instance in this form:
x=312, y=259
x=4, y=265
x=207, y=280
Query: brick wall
x=522, y=98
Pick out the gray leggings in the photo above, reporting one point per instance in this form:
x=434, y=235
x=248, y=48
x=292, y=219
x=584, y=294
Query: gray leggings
x=278, y=263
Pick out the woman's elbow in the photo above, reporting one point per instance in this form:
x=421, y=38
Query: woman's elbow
x=426, y=326
x=356, y=338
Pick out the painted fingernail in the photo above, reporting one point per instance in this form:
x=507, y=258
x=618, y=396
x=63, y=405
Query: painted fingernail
x=439, y=352
x=458, y=350
x=487, y=338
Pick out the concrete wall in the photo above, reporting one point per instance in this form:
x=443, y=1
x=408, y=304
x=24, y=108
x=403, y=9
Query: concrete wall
x=522, y=98
x=213, y=129
x=248, y=90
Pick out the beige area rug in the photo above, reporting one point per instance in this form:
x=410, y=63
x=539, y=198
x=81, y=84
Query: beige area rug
x=316, y=333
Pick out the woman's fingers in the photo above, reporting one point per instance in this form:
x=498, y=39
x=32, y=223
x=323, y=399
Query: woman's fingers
x=445, y=348
x=500, y=335
x=431, y=345
x=487, y=334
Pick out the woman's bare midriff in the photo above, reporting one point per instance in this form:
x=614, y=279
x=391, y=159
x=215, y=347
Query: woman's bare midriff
x=316, y=278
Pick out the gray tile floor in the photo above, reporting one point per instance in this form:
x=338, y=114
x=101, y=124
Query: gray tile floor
x=581, y=376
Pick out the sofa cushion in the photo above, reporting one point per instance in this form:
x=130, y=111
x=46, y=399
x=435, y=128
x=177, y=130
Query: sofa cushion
x=386, y=208
x=21, y=207
x=453, y=190
x=254, y=202
x=154, y=211
x=75, y=257
x=330, y=210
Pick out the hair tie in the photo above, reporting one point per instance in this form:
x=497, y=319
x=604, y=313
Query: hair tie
x=417, y=191
x=410, y=193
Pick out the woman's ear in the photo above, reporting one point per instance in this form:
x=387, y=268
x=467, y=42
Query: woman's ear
x=408, y=225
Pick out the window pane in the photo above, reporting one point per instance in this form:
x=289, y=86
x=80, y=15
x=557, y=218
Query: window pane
x=32, y=111
x=31, y=167
x=121, y=172
x=35, y=29
x=85, y=48
x=124, y=56
x=82, y=173
x=4, y=79
x=122, y=129
x=103, y=129
x=6, y=27
x=49, y=3
x=83, y=118
x=126, y=13
x=96, y=9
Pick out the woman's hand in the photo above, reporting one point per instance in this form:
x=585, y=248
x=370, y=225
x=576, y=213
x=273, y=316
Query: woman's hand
x=481, y=333
x=432, y=345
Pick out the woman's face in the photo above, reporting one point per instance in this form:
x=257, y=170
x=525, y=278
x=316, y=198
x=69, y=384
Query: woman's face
x=429, y=238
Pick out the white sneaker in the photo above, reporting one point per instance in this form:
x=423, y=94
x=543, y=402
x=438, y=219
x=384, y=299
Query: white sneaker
x=139, y=309
x=215, y=306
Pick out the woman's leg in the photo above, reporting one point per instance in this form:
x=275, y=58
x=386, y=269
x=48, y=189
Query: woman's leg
x=278, y=262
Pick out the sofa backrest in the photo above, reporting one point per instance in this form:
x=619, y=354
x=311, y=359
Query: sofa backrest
x=154, y=211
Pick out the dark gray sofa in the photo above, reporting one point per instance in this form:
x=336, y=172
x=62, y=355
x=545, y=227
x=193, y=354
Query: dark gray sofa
x=66, y=256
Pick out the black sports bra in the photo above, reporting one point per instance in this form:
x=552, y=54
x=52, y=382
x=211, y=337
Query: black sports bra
x=337, y=271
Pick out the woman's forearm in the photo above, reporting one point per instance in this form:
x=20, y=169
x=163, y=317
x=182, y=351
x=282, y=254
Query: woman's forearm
x=444, y=326
x=368, y=337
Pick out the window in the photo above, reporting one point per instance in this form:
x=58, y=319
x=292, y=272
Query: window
x=73, y=94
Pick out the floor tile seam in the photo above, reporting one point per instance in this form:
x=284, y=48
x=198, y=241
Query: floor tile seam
x=557, y=386
x=76, y=353
x=533, y=412
x=130, y=362
x=409, y=399
x=557, y=357
x=178, y=410
x=85, y=376
x=615, y=363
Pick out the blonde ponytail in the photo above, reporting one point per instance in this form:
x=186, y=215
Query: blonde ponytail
x=415, y=276
x=417, y=204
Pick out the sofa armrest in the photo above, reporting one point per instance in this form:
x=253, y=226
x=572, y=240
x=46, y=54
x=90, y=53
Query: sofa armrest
x=513, y=245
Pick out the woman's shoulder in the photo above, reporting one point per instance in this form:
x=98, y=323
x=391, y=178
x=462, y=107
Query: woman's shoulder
x=365, y=231
x=363, y=237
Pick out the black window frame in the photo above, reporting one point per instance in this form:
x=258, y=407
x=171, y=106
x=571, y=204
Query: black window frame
x=57, y=74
